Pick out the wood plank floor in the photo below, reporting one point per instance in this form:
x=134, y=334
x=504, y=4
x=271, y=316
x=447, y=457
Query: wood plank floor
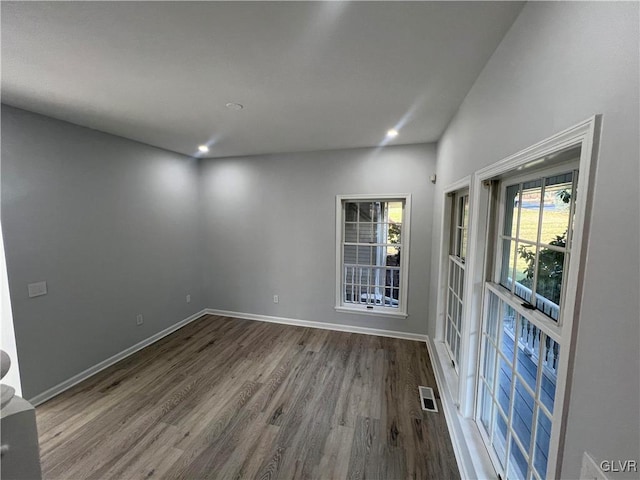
x=233, y=399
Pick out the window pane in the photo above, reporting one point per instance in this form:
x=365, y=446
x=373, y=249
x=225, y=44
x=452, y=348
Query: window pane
x=509, y=318
x=530, y=210
x=522, y=414
x=512, y=201
x=463, y=251
x=393, y=257
x=489, y=362
x=549, y=282
x=351, y=232
x=395, y=233
x=349, y=275
x=365, y=233
x=351, y=212
x=504, y=385
x=349, y=254
x=365, y=255
x=517, y=462
x=508, y=263
x=500, y=438
x=395, y=295
x=527, y=364
x=452, y=265
x=525, y=269
x=551, y=357
x=557, y=207
x=465, y=214
x=394, y=212
x=379, y=234
x=485, y=407
x=543, y=435
x=371, y=211
x=506, y=344
x=491, y=326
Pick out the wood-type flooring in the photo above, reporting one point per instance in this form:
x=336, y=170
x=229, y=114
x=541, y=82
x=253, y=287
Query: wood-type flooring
x=233, y=399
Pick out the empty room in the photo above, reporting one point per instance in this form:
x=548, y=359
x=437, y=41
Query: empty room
x=323, y=240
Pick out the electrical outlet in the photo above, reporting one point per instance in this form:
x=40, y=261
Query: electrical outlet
x=139, y=319
x=188, y=298
x=276, y=299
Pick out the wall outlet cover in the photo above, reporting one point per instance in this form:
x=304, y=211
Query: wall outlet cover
x=37, y=289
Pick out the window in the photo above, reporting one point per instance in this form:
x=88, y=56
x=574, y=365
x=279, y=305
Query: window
x=521, y=337
x=456, y=273
x=372, y=238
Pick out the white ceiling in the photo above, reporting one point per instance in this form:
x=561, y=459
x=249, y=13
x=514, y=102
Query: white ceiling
x=311, y=75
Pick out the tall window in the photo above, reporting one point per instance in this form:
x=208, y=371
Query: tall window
x=521, y=336
x=456, y=273
x=372, y=240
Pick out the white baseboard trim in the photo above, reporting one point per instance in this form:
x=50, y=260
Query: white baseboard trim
x=471, y=455
x=67, y=384
x=322, y=325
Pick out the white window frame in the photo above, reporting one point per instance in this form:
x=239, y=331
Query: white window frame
x=459, y=392
x=536, y=318
x=584, y=135
x=456, y=241
x=377, y=310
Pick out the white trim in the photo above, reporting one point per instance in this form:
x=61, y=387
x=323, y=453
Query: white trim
x=402, y=309
x=586, y=136
x=471, y=455
x=441, y=303
x=375, y=311
x=89, y=372
x=321, y=325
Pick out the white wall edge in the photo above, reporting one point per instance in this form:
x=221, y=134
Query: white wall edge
x=322, y=325
x=471, y=455
x=89, y=372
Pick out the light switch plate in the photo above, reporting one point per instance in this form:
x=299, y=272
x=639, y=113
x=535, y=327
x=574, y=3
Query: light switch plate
x=37, y=289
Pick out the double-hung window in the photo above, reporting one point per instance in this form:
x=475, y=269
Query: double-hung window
x=456, y=273
x=521, y=336
x=372, y=239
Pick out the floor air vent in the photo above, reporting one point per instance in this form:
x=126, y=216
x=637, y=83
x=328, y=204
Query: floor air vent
x=427, y=399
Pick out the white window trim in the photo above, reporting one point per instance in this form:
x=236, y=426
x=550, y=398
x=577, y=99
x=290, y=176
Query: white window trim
x=452, y=208
x=401, y=311
x=463, y=394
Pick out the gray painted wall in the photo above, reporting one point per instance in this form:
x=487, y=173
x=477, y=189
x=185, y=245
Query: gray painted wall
x=559, y=64
x=270, y=229
x=111, y=225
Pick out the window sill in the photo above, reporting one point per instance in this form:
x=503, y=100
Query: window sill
x=376, y=312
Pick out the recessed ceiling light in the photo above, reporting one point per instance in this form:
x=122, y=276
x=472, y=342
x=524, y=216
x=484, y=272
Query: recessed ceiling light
x=203, y=148
x=392, y=133
x=234, y=106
